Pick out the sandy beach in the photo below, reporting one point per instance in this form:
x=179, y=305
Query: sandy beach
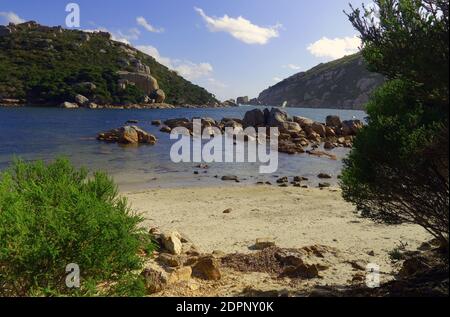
x=292, y=217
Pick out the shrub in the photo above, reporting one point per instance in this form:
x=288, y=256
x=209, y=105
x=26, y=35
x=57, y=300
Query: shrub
x=391, y=174
x=398, y=168
x=52, y=215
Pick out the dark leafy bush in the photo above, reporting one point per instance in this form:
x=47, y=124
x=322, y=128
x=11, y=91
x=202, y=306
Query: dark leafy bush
x=391, y=175
x=53, y=215
x=398, y=168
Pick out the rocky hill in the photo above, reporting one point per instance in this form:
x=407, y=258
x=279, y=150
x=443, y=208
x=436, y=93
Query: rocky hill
x=344, y=84
x=52, y=65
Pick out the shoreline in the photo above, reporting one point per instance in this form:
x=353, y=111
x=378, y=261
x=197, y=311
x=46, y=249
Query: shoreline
x=119, y=107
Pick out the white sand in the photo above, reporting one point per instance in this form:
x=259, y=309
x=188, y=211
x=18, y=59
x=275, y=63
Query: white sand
x=294, y=217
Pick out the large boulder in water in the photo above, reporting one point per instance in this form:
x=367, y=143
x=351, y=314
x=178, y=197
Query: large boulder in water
x=68, y=105
x=127, y=135
x=290, y=127
x=319, y=129
x=351, y=127
x=333, y=122
x=277, y=118
x=303, y=122
x=254, y=118
x=178, y=122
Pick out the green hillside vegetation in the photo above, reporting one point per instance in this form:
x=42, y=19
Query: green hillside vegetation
x=342, y=62
x=44, y=65
x=344, y=83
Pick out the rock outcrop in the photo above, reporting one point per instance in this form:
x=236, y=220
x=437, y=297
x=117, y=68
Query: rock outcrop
x=242, y=100
x=68, y=105
x=230, y=103
x=127, y=135
x=295, y=135
x=5, y=30
x=176, y=262
x=144, y=81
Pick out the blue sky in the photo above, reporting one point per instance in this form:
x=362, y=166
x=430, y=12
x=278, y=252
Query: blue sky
x=230, y=47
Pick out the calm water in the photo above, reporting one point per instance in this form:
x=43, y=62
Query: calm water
x=45, y=133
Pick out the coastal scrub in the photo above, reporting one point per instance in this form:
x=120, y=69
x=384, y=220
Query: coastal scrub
x=55, y=215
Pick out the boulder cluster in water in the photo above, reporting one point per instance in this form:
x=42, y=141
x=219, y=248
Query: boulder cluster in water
x=127, y=135
x=295, y=133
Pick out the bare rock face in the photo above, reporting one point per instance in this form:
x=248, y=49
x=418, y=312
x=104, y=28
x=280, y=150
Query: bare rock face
x=242, y=100
x=172, y=243
x=290, y=127
x=158, y=95
x=290, y=147
x=144, y=137
x=181, y=274
x=319, y=129
x=230, y=103
x=68, y=105
x=232, y=123
x=156, y=278
x=330, y=132
x=142, y=78
x=139, y=67
x=351, y=127
x=333, y=122
x=303, y=122
x=127, y=135
x=169, y=260
x=254, y=118
x=143, y=81
x=81, y=100
x=276, y=117
x=4, y=30
x=208, y=268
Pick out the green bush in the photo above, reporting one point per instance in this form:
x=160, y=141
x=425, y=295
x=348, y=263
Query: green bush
x=398, y=168
x=390, y=174
x=53, y=215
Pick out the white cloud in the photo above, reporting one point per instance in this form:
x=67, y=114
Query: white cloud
x=335, y=48
x=277, y=79
x=240, y=28
x=292, y=66
x=146, y=25
x=153, y=51
x=10, y=17
x=186, y=69
x=130, y=35
x=191, y=70
x=216, y=84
